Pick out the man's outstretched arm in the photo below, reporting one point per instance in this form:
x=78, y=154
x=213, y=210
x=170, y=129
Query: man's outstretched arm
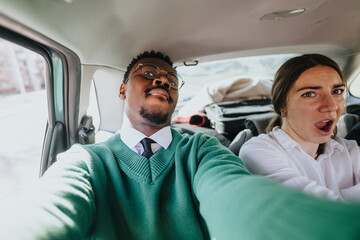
x=237, y=205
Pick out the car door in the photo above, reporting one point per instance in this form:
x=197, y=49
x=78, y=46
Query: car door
x=39, y=86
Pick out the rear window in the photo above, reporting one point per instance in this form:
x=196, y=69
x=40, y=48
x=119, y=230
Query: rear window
x=196, y=77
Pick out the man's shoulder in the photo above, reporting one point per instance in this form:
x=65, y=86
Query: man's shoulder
x=84, y=151
x=113, y=144
x=86, y=155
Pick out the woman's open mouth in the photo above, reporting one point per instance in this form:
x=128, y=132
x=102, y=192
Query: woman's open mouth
x=325, y=126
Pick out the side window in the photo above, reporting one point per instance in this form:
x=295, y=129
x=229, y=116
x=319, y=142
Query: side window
x=355, y=86
x=23, y=115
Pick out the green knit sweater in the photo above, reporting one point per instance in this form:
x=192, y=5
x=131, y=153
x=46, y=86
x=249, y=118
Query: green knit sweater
x=195, y=189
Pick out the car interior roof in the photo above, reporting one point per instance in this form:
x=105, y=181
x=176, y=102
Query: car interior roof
x=190, y=30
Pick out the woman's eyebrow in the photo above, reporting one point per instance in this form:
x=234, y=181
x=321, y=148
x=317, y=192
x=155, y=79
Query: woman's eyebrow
x=308, y=87
x=318, y=87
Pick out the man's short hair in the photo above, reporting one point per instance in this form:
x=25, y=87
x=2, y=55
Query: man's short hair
x=146, y=54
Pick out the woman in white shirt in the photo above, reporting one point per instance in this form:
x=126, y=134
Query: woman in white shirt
x=301, y=149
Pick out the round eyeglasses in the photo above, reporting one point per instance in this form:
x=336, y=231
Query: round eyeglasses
x=151, y=71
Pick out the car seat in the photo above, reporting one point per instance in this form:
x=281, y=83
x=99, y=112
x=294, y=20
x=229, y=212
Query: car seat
x=346, y=123
x=254, y=125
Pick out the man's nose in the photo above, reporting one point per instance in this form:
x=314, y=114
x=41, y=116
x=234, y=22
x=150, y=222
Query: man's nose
x=162, y=80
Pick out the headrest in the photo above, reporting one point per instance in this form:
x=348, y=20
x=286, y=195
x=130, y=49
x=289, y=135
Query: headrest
x=257, y=123
x=345, y=123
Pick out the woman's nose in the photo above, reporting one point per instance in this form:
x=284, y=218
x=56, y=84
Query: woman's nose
x=329, y=103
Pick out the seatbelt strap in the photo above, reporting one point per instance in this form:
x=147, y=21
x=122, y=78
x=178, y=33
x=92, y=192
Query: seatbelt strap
x=86, y=131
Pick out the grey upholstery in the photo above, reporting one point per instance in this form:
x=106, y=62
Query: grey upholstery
x=254, y=125
x=346, y=122
x=239, y=140
x=257, y=123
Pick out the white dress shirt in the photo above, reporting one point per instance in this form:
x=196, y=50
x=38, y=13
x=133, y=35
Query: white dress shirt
x=132, y=137
x=335, y=174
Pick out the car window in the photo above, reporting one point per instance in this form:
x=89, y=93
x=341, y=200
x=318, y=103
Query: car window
x=354, y=87
x=23, y=115
x=198, y=76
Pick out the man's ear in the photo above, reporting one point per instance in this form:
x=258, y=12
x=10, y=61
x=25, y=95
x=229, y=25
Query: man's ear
x=122, y=91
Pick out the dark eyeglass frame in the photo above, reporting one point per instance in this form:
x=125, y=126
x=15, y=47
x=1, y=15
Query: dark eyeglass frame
x=173, y=85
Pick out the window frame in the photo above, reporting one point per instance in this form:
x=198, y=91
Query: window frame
x=62, y=88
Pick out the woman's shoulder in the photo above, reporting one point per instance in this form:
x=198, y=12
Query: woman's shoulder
x=275, y=136
x=262, y=151
x=263, y=137
x=346, y=143
x=263, y=141
x=349, y=150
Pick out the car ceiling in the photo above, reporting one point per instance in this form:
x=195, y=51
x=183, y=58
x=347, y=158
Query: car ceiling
x=111, y=32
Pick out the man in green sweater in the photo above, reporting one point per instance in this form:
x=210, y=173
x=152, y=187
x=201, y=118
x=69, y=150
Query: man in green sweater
x=168, y=186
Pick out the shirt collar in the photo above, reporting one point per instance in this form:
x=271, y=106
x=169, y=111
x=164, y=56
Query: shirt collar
x=288, y=143
x=284, y=139
x=331, y=145
x=163, y=137
x=130, y=136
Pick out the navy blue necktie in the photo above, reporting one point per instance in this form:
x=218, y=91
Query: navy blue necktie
x=146, y=143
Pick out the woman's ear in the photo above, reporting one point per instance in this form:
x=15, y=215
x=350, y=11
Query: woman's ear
x=122, y=91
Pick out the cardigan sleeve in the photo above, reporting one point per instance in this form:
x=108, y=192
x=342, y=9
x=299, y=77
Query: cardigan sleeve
x=61, y=206
x=261, y=158
x=238, y=205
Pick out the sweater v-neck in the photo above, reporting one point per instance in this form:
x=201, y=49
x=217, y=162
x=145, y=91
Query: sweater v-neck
x=139, y=167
